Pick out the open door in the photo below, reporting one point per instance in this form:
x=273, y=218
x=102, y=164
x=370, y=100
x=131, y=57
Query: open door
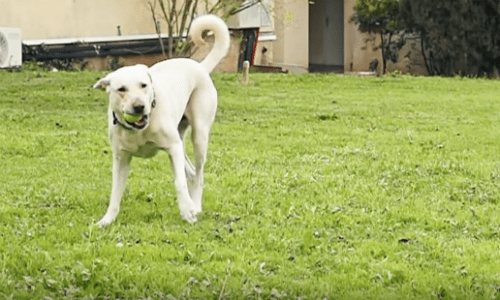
x=326, y=36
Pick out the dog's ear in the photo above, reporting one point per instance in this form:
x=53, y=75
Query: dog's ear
x=102, y=83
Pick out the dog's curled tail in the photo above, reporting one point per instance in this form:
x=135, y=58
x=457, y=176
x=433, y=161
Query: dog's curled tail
x=221, y=33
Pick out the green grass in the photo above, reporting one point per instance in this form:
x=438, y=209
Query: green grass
x=317, y=187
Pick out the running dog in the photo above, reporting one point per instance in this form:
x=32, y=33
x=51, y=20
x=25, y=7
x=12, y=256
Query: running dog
x=164, y=101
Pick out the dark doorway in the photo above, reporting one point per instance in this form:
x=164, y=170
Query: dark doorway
x=247, y=51
x=326, y=36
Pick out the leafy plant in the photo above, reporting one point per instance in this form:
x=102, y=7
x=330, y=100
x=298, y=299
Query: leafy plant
x=457, y=36
x=381, y=17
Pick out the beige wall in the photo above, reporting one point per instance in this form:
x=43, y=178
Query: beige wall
x=291, y=49
x=264, y=49
x=76, y=18
x=88, y=18
x=264, y=53
x=79, y=18
x=359, y=50
x=358, y=47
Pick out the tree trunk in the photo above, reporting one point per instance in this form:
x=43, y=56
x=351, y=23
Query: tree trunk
x=422, y=48
x=384, y=61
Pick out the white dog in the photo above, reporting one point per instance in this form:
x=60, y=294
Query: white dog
x=168, y=97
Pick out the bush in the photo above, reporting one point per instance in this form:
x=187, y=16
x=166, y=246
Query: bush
x=381, y=17
x=458, y=36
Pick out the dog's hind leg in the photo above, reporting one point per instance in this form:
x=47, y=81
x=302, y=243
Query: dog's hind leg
x=200, y=145
x=186, y=205
x=189, y=168
x=200, y=111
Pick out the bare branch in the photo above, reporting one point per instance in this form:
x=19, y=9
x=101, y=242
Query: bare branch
x=215, y=7
x=180, y=12
x=173, y=12
x=206, y=5
x=164, y=11
x=157, y=28
x=193, y=14
x=185, y=14
x=179, y=17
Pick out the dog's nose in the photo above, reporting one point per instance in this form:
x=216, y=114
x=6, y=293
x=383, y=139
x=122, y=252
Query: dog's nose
x=138, y=108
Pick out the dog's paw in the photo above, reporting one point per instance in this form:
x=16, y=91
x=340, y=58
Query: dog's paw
x=197, y=209
x=189, y=216
x=188, y=212
x=106, y=220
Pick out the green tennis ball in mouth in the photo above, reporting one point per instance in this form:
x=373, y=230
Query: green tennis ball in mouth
x=131, y=118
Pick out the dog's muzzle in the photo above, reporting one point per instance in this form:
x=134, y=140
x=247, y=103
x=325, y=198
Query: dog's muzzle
x=138, y=125
x=141, y=123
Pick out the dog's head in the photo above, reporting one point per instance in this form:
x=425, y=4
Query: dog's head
x=130, y=92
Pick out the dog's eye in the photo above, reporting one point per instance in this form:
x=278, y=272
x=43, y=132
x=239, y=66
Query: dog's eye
x=143, y=85
x=122, y=89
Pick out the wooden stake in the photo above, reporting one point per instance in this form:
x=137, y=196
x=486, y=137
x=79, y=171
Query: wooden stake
x=246, y=69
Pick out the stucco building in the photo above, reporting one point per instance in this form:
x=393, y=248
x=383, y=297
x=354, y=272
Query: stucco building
x=304, y=35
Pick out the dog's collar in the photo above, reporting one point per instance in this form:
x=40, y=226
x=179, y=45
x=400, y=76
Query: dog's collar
x=153, y=104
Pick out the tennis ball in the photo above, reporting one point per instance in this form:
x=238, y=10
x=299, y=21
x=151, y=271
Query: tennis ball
x=131, y=118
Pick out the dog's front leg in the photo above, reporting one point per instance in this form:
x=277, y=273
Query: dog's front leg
x=121, y=167
x=186, y=205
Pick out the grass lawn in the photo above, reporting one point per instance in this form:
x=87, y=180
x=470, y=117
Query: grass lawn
x=317, y=186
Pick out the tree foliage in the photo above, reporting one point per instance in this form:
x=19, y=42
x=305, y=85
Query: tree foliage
x=381, y=17
x=459, y=36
